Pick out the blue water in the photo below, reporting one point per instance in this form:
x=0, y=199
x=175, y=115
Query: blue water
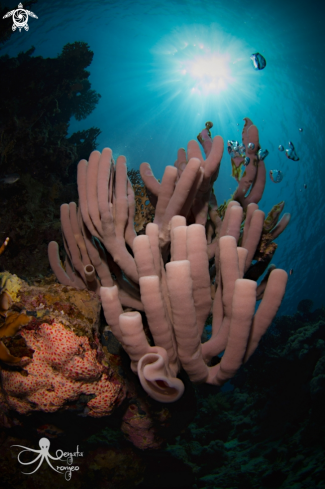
x=149, y=107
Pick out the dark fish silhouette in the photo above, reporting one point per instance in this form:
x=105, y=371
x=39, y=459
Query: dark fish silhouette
x=291, y=152
x=10, y=178
x=232, y=146
x=262, y=154
x=259, y=61
x=276, y=176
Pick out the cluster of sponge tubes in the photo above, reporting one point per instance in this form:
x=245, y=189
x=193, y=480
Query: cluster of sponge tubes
x=186, y=266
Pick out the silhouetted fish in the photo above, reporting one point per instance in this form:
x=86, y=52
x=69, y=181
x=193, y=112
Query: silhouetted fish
x=291, y=152
x=10, y=178
x=262, y=154
x=276, y=176
x=259, y=61
x=232, y=146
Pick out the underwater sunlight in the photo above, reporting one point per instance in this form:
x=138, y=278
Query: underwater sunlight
x=203, y=67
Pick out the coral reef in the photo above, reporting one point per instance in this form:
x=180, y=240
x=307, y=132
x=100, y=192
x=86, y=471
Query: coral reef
x=179, y=268
x=189, y=258
x=269, y=430
x=34, y=144
x=34, y=126
x=55, y=358
x=63, y=368
x=50, y=336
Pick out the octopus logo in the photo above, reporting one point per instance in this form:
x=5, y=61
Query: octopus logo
x=20, y=18
x=43, y=453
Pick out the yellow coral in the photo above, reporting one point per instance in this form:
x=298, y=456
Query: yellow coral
x=237, y=171
x=11, y=284
x=14, y=321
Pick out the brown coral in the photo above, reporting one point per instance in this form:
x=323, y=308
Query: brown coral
x=144, y=211
x=14, y=321
x=4, y=245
